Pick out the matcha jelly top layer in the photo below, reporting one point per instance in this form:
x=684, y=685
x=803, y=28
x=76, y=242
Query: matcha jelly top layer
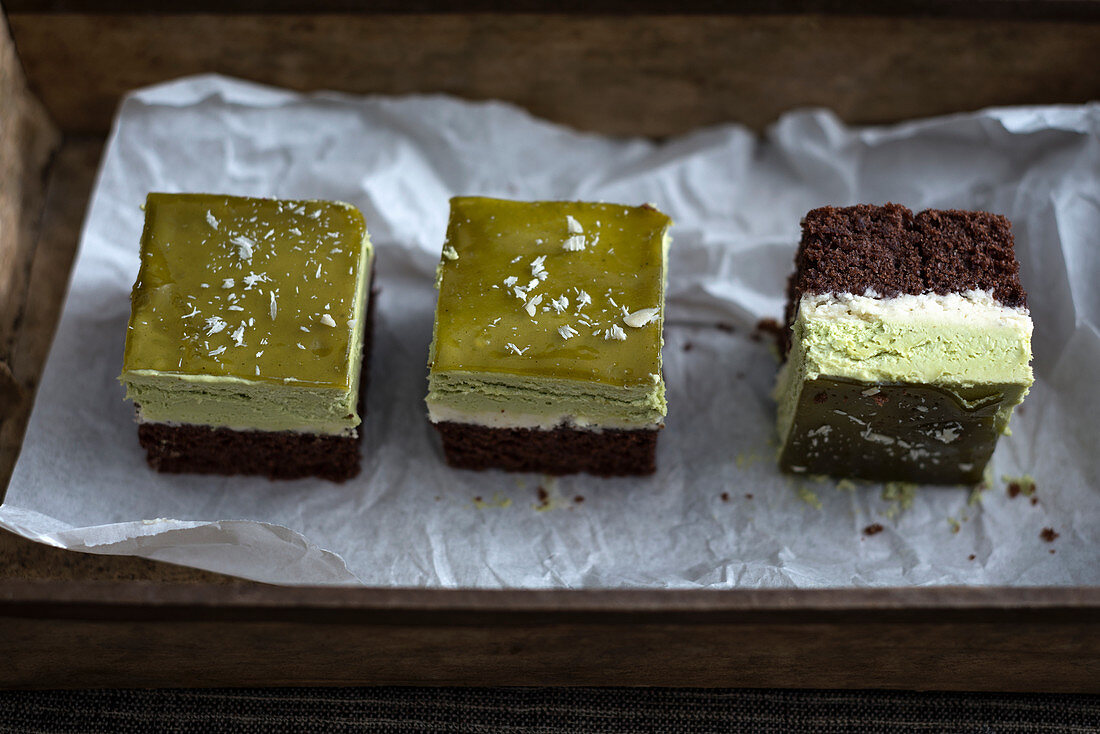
x=562, y=290
x=257, y=289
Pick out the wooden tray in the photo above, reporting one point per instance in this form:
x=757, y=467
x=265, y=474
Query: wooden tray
x=70, y=619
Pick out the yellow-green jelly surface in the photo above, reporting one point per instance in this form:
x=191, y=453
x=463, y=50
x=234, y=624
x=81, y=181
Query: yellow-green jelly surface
x=542, y=290
x=259, y=289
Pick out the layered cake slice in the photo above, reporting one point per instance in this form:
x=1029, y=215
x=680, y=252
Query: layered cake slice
x=909, y=344
x=546, y=354
x=249, y=328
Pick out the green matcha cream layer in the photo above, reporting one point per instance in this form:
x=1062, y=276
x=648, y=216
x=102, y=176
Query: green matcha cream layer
x=249, y=314
x=550, y=314
x=915, y=387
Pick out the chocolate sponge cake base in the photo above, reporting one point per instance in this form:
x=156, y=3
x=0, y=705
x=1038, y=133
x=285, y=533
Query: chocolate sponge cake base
x=558, y=451
x=190, y=449
x=186, y=449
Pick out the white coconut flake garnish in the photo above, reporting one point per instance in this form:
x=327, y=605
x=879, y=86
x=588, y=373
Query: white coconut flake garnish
x=583, y=299
x=516, y=350
x=533, y=304
x=189, y=315
x=538, y=267
x=450, y=253
x=641, y=317
x=252, y=279
x=216, y=352
x=235, y=308
x=244, y=246
x=560, y=303
x=211, y=220
x=575, y=241
x=615, y=332
x=214, y=324
x=328, y=320
x=300, y=345
x=228, y=283
x=238, y=336
x=274, y=309
x=567, y=331
x=510, y=281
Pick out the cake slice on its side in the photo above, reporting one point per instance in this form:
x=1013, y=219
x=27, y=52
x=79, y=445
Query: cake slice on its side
x=249, y=330
x=909, y=344
x=546, y=353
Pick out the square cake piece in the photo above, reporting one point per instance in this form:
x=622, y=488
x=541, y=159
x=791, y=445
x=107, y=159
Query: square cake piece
x=546, y=353
x=909, y=344
x=249, y=329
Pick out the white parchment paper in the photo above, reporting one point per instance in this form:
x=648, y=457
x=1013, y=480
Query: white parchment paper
x=718, y=513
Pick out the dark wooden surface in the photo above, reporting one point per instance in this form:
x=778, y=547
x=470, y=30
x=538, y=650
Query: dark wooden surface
x=985, y=9
x=27, y=140
x=158, y=635
x=78, y=620
x=626, y=74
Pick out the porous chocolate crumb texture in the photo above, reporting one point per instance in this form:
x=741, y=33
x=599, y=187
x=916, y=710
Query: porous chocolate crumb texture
x=892, y=251
x=274, y=454
x=556, y=452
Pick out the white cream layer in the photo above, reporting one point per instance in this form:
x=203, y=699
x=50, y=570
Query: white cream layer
x=978, y=309
x=507, y=419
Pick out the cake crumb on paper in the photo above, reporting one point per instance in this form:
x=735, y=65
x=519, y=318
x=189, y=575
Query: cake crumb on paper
x=497, y=502
x=1015, y=486
x=808, y=496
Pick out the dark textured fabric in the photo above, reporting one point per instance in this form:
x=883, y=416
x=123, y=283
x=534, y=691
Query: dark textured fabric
x=543, y=711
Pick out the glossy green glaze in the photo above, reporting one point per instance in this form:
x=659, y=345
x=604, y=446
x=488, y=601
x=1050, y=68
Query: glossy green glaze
x=541, y=290
x=248, y=312
x=241, y=286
